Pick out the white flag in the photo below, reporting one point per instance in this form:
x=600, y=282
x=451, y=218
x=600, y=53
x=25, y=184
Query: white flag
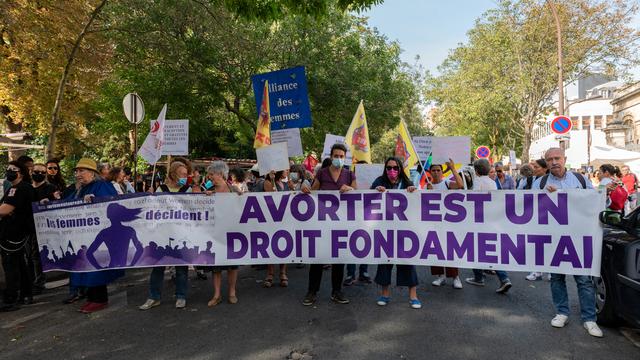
x=151, y=149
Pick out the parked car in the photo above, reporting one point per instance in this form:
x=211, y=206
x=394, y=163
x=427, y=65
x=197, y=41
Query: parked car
x=618, y=288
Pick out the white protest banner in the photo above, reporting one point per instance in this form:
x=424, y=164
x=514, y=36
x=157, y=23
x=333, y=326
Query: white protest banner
x=367, y=173
x=423, y=147
x=457, y=148
x=291, y=137
x=176, y=137
x=151, y=149
x=509, y=230
x=273, y=157
x=329, y=141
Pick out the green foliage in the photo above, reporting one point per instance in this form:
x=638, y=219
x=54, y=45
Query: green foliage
x=497, y=85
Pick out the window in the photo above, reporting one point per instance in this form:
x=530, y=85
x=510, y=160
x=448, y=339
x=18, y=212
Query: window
x=598, y=121
x=585, y=122
x=574, y=122
x=609, y=119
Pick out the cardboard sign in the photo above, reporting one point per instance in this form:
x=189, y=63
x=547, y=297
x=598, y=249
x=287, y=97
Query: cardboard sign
x=176, y=137
x=423, y=146
x=329, y=140
x=273, y=157
x=457, y=148
x=366, y=174
x=291, y=137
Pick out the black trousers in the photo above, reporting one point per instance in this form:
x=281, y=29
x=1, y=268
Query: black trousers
x=98, y=294
x=35, y=264
x=17, y=276
x=315, y=277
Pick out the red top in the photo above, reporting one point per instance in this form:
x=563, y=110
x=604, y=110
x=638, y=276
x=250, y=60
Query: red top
x=629, y=180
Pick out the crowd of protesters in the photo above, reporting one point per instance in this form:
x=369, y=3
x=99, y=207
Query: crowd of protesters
x=26, y=182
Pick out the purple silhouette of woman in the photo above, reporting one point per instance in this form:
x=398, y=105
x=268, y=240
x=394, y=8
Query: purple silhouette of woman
x=116, y=237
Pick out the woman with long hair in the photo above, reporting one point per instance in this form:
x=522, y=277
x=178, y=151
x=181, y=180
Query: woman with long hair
x=394, y=177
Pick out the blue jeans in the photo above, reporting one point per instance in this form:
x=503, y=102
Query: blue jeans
x=351, y=270
x=157, y=278
x=586, y=294
x=502, y=275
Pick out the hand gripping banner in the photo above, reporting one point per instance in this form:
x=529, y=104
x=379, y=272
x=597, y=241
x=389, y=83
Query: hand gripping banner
x=504, y=230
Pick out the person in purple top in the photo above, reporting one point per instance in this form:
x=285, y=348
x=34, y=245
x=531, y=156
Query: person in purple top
x=333, y=177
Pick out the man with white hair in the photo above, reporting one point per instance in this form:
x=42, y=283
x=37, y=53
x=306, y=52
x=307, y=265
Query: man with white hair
x=559, y=178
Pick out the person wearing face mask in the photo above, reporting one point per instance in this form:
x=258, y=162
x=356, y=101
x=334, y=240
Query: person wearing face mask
x=17, y=229
x=393, y=177
x=43, y=190
x=338, y=178
x=297, y=178
x=176, y=182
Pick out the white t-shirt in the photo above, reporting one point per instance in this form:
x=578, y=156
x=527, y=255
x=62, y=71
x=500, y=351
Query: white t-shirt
x=442, y=185
x=484, y=183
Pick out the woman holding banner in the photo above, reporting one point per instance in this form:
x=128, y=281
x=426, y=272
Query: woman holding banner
x=176, y=182
x=216, y=182
x=89, y=184
x=394, y=177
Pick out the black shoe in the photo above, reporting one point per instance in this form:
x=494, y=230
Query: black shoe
x=26, y=300
x=504, y=287
x=73, y=298
x=9, y=307
x=309, y=299
x=364, y=278
x=348, y=281
x=337, y=297
x=200, y=275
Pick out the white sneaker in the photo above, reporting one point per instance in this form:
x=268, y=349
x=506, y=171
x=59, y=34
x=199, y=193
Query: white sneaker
x=439, y=281
x=181, y=303
x=560, y=321
x=457, y=284
x=534, y=276
x=593, y=329
x=149, y=304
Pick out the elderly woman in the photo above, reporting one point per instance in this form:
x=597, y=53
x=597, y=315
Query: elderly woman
x=17, y=222
x=176, y=182
x=216, y=180
x=89, y=184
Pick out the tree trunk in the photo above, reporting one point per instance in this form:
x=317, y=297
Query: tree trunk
x=55, y=115
x=526, y=141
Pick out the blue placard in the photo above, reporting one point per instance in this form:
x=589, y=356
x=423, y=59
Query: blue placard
x=288, y=97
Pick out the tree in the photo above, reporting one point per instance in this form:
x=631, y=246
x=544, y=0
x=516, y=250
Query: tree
x=506, y=75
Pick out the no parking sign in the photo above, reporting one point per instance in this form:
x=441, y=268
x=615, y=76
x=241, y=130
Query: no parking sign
x=561, y=125
x=483, y=152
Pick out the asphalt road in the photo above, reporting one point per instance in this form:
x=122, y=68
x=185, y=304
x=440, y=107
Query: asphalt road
x=472, y=323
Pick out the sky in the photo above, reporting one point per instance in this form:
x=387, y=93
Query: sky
x=430, y=28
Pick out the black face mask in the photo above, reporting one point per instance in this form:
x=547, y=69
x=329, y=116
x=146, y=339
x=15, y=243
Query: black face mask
x=11, y=175
x=38, y=177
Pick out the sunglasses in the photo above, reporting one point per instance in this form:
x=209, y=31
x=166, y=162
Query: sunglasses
x=52, y=168
x=40, y=172
x=393, y=168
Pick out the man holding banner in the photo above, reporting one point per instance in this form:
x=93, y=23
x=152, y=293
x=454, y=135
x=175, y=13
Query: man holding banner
x=334, y=177
x=559, y=178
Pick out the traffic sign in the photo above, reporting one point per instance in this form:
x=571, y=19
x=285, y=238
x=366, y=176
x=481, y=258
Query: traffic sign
x=133, y=108
x=561, y=125
x=483, y=152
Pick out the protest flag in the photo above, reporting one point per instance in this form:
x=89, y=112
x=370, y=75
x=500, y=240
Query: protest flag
x=405, y=149
x=151, y=149
x=357, y=137
x=310, y=162
x=263, y=130
x=425, y=176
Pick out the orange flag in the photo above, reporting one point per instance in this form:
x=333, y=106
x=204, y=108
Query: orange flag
x=263, y=130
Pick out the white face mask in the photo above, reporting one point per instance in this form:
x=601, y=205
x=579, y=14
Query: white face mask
x=285, y=179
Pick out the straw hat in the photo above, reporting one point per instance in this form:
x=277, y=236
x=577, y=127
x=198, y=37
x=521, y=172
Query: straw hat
x=86, y=163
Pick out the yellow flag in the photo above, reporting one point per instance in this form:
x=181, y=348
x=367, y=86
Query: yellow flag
x=404, y=148
x=357, y=137
x=263, y=130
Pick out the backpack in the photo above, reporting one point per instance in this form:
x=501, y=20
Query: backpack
x=583, y=182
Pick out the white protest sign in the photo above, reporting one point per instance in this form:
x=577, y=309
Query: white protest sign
x=423, y=147
x=329, y=140
x=291, y=137
x=512, y=159
x=176, y=137
x=457, y=148
x=273, y=157
x=366, y=174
